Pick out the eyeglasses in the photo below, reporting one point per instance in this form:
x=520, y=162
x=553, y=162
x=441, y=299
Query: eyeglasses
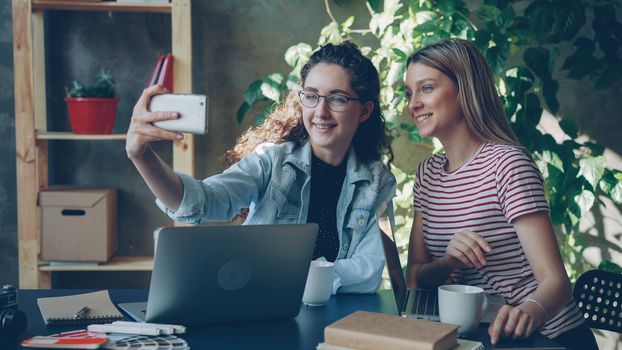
x=336, y=102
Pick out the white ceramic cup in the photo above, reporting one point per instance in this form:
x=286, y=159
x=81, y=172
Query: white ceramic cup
x=462, y=305
x=319, y=286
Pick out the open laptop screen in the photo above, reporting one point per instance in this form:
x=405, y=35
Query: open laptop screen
x=394, y=267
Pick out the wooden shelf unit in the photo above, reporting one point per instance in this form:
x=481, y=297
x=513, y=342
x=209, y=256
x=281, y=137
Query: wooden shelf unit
x=32, y=135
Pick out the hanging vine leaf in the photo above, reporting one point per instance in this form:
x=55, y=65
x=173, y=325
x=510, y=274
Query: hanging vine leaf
x=496, y=57
x=535, y=59
x=488, y=13
x=569, y=127
x=375, y=5
x=533, y=110
x=297, y=54
x=506, y=18
x=569, y=18
x=541, y=16
x=592, y=169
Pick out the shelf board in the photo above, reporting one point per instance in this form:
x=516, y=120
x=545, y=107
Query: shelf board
x=117, y=263
x=73, y=5
x=58, y=135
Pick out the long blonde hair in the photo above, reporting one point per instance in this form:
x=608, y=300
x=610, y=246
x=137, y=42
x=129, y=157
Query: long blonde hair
x=481, y=106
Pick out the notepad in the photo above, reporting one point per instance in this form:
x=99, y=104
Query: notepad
x=61, y=311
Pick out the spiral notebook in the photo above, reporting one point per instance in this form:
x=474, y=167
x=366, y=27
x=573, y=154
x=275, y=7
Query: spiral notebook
x=62, y=311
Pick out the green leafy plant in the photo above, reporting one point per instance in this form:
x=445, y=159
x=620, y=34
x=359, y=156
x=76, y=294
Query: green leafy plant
x=610, y=266
x=522, y=41
x=104, y=87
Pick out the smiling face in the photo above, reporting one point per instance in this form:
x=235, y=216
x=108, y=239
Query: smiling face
x=330, y=132
x=433, y=103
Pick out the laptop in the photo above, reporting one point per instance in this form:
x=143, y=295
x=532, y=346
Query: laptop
x=219, y=274
x=416, y=303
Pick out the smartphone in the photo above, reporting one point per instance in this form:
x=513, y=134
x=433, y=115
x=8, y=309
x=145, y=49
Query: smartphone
x=192, y=110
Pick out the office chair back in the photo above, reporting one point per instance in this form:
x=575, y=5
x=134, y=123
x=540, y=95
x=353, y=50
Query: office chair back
x=598, y=294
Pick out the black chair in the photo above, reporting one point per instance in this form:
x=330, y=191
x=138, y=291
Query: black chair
x=598, y=294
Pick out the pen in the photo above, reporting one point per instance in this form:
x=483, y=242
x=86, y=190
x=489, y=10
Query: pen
x=82, y=312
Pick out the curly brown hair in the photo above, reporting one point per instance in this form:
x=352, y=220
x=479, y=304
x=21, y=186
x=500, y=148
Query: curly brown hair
x=282, y=125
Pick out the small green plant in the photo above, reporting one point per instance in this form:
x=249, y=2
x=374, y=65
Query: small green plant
x=104, y=87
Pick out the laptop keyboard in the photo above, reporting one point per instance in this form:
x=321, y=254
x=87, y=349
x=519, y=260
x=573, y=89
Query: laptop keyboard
x=425, y=302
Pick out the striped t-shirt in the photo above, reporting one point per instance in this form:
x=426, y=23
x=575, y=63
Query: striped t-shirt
x=500, y=184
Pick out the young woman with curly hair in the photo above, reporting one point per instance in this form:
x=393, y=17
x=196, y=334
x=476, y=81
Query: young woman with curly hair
x=324, y=166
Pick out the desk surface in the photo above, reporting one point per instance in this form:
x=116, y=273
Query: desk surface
x=301, y=333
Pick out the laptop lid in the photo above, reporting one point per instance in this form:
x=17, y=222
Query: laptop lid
x=215, y=274
x=391, y=254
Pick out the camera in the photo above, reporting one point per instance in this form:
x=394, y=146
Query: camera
x=12, y=321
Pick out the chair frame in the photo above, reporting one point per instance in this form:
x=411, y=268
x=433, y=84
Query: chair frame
x=598, y=294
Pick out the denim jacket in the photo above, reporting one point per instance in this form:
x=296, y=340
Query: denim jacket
x=275, y=185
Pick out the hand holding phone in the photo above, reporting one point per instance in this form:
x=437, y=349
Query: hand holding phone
x=192, y=111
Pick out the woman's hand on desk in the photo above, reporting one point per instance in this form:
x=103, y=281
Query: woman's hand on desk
x=515, y=322
x=141, y=131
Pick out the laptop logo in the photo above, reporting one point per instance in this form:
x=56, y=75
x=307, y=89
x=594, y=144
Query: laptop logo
x=234, y=275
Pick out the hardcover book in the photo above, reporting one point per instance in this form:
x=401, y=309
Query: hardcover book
x=368, y=331
x=162, y=72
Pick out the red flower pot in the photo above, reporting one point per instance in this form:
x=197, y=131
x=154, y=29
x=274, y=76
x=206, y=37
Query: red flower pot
x=92, y=115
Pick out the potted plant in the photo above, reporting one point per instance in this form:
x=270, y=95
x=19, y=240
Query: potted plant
x=92, y=109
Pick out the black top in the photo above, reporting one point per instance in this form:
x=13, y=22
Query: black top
x=326, y=183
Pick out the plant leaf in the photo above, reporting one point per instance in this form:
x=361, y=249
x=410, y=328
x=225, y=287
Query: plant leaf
x=536, y=59
x=270, y=91
x=585, y=201
x=496, y=58
x=592, y=168
x=330, y=34
x=375, y=5
x=488, y=13
x=506, y=18
x=533, y=110
x=347, y=23
x=298, y=54
x=239, y=116
x=569, y=127
x=253, y=92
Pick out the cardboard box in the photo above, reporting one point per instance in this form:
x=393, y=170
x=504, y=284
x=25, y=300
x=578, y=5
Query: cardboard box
x=78, y=223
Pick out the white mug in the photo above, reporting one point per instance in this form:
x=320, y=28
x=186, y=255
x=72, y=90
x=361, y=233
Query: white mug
x=462, y=305
x=319, y=286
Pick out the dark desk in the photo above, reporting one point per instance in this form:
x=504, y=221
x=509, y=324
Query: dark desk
x=302, y=333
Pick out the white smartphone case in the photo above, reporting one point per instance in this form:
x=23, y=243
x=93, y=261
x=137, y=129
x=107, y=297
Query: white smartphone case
x=192, y=109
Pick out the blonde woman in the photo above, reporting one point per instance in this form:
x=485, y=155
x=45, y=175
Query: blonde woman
x=481, y=215
x=324, y=166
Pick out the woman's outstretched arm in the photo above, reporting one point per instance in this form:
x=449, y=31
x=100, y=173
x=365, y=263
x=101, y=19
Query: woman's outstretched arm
x=161, y=179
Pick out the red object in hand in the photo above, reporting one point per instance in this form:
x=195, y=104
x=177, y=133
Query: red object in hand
x=91, y=115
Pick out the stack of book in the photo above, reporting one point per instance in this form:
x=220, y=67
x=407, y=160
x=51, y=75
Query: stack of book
x=162, y=72
x=369, y=331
